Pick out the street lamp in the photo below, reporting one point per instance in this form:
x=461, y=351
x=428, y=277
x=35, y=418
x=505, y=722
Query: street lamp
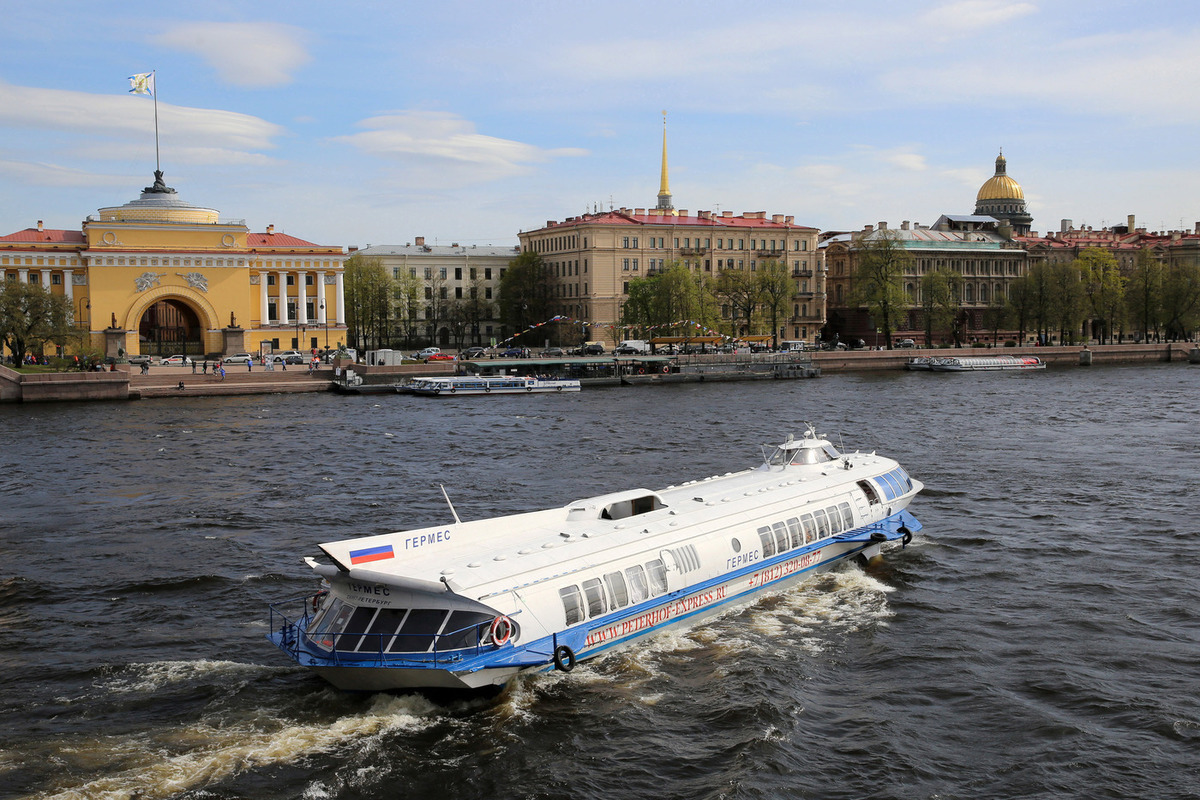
x=325, y=322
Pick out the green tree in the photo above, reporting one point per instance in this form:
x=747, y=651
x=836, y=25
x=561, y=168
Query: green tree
x=1043, y=291
x=940, y=291
x=1181, y=300
x=664, y=300
x=740, y=290
x=31, y=316
x=1066, y=300
x=776, y=290
x=1019, y=304
x=1104, y=288
x=525, y=292
x=1144, y=294
x=368, y=292
x=878, y=280
x=407, y=291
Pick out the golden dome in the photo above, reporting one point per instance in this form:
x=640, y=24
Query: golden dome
x=1000, y=186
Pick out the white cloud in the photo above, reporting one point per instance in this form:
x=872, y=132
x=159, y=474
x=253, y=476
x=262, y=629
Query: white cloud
x=53, y=175
x=417, y=137
x=226, y=135
x=967, y=15
x=249, y=54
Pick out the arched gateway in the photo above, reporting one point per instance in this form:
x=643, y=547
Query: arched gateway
x=170, y=327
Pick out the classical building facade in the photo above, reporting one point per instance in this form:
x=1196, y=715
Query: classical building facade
x=593, y=257
x=976, y=247
x=451, y=278
x=161, y=276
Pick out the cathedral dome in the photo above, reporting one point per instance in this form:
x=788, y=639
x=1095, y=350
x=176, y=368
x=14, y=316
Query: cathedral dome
x=1000, y=186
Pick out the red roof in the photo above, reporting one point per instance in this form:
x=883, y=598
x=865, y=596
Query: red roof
x=34, y=236
x=277, y=240
x=716, y=221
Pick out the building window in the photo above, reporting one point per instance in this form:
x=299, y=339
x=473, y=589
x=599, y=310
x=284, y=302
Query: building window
x=291, y=280
x=625, y=242
x=56, y=280
x=635, y=244
x=458, y=293
x=625, y=266
x=635, y=265
x=458, y=273
x=429, y=273
x=487, y=273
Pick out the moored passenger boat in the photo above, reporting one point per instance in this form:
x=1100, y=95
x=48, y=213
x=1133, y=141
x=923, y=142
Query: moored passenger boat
x=971, y=363
x=476, y=384
x=471, y=604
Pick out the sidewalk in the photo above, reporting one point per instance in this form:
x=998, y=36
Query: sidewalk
x=164, y=381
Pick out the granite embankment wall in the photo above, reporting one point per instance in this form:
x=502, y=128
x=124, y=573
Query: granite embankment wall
x=19, y=387
x=849, y=360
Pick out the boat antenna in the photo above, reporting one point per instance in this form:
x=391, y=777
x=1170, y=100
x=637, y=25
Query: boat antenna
x=452, y=511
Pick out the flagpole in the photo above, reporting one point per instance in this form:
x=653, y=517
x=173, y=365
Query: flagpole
x=154, y=94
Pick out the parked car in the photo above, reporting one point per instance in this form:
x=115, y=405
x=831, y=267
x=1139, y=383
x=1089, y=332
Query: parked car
x=473, y=352
x=141, y=359
x=553, y=352
x=857, y=344
x=440, y=357
x=423, y=355
x=288, y=357
x=516, y=352
x=238, y=358
x=592, y=349
x=176, y=361
x=906, y=343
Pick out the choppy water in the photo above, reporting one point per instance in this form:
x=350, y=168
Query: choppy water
x=1040, y=638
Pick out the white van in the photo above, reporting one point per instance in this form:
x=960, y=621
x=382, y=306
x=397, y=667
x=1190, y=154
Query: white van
x=633, y=347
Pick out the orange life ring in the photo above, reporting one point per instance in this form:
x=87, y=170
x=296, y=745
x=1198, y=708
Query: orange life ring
x=641, y=371
x=666, y=369
x=502, y=631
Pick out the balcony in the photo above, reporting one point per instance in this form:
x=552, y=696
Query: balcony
x=693, y=251
x=802, y=273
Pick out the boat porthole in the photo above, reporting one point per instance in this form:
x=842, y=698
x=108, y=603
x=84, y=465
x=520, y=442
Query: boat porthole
x=564, y=658
x=737, y=546
x=502, y=629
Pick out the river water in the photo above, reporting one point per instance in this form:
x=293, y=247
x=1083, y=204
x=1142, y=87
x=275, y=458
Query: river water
x=1040, y=637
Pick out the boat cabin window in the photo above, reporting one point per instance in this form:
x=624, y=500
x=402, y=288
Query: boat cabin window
x=419, y=629
x=768, y=541
x=631, y=508
x=810, y=527
x=822, y=523
x=572, y=603
x=465, y=629
x=658, y=576
x=616, y=589
x=639, y=590
x=594, y=591
x=794, y=532
x=847, y=516
x=781, y=537
x=869, y=490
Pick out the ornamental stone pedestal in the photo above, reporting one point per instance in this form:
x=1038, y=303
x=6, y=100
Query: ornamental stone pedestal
x=235, y=340
x=114, y=342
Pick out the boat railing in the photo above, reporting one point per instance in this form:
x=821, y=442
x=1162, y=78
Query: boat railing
x=442, y=648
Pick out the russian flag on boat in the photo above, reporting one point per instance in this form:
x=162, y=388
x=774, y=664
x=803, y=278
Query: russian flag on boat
x=372, y=554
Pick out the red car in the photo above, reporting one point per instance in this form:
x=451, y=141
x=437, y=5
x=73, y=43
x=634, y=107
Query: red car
x=440, y=357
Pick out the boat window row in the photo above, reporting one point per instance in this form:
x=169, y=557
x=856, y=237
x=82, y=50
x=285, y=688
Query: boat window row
x=895, y=483
x=366, y=629
x=615, y=590
x=809, y=527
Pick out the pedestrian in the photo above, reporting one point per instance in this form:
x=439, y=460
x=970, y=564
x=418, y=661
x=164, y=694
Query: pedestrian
x=249, y=365
x=204, y=369
x=193, y=366
x=222, y=372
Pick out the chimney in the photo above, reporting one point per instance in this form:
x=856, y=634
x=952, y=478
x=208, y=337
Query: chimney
x=788, y=220
x=641, y=212
x=904, y=225
x=883, y=226
x=1129, y=223
x=868, y=228
x=39, y=224
x=683, y=212
x=270, y=230
x=420, y=240
x=730, y=214
x=777, y=219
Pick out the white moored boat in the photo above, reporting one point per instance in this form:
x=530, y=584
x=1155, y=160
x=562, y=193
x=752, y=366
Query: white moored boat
x=470, y=604
x=475, y=384
x=971, y=363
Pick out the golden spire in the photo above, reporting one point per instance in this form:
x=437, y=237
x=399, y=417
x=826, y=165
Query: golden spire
x=664, y=191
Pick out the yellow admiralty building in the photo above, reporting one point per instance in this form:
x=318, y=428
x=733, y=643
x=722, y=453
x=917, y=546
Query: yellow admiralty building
x=159, y=276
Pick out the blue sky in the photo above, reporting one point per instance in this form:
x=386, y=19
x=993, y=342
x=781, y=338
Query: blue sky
x=373, y=123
